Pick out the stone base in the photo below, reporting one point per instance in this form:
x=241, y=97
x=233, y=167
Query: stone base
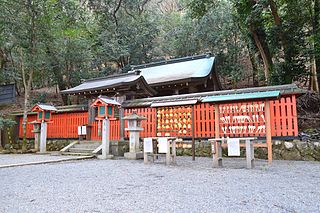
x=133, y=155
x=108, y=157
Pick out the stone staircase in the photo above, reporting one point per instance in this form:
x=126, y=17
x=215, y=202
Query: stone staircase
x=84, y=148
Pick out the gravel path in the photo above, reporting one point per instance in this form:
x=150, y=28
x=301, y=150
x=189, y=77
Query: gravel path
x=28, y=158
x=131, y=186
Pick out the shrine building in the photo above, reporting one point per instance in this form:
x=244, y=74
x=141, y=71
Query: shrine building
x=170, y=77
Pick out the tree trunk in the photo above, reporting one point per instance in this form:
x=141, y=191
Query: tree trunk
x=316, y=33
x=57, y=73
x=27, y=88
x=255, y=78
x=313, y=77
x=264, y=52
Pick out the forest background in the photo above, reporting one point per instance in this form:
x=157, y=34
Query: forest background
x=58, y=43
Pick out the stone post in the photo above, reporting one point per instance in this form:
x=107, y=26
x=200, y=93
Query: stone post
x=106, y=140
x=43, y=137
x=37, y=137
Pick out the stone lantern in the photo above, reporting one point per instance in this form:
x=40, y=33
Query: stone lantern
x=44, y=116
x=134, y=128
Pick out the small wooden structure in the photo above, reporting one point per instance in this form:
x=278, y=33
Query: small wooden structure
x=106, y=111
x=44, y=116
x=160, y=146
x=218, y=143
x=44, y=112
x=107, y=108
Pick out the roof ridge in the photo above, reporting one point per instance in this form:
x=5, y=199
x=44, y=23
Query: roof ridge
x=113, y=76
x=170, y=61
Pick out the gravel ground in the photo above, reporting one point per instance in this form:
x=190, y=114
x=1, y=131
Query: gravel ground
x=28, y=158
x=131, y=186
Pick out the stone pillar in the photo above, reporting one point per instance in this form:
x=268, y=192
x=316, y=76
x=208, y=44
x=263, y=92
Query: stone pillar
x=106, y=140
x=134, y=149
x=43, y=137
x=36, y=137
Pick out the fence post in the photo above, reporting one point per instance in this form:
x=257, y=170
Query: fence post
x=268, y=131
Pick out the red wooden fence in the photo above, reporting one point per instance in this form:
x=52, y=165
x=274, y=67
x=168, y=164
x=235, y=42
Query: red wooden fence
x=148, y=125
x=65, y=125
x=165, y=120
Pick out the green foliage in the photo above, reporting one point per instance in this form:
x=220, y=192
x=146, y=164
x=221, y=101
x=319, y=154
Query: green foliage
x=4, y=122
x=65, y=41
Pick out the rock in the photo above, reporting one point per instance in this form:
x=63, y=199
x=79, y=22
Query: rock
x=308, y=158
x=302, y=146
x=179, y=152
x=187, y=152
x=261, y=153
x=277, y=143
x=288, y=145
x=293, y=154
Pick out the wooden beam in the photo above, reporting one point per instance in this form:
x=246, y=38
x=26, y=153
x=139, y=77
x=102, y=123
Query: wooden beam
x=216, y=146
x=216, y=121
x=268, y=131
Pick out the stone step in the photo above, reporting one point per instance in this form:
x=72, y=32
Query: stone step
x=77, y=154
x=86, y=146
x=89, y=142
x=81, y=150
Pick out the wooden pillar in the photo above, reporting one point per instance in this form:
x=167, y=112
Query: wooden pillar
x=216, y=121
x=193, y=136
x=217, y=149
x=268, y=131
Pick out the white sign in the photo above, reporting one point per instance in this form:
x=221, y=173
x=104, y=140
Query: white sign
x=163, y=145
x=82, y=130
x=147, y=145
x=79, y=130
x=233, y=147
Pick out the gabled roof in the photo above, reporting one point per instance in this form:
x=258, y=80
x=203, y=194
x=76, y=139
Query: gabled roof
x=147, y=75
x=110, y=82
x=45, y=107
x=174, y=70
x=106, y=101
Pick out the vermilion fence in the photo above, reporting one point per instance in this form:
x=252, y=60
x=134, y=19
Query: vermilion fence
x=114, y=130
x=236, y=120
x=148, y=125
x=65, y=125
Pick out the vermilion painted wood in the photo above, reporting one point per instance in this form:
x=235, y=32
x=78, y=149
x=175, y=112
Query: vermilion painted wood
x=148, y=125
x=272, y=118
x=283, y=116
x=289, y=116
x=65, y=125
x=295, y=117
